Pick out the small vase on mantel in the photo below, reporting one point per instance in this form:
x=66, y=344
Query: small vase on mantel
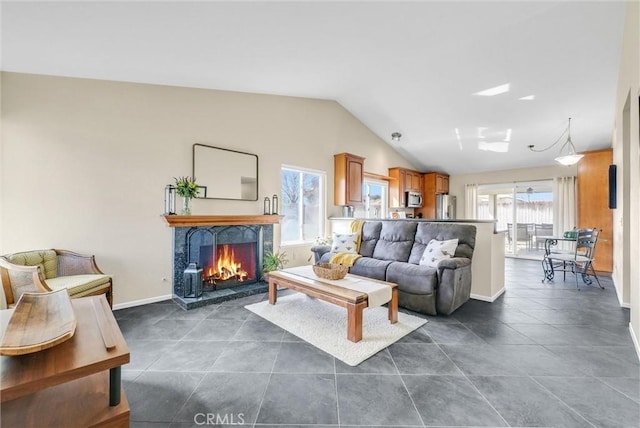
x=186, y=210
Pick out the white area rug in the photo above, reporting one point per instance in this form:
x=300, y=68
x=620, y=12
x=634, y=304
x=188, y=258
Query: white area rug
x=324, y=325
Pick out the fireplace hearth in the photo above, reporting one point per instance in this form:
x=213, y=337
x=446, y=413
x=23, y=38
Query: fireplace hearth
x=230, y=256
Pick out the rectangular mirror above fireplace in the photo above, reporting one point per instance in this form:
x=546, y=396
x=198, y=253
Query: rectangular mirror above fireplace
x=226, y=174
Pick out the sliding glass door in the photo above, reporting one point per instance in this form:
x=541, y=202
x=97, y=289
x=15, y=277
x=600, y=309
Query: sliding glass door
x=524, y=210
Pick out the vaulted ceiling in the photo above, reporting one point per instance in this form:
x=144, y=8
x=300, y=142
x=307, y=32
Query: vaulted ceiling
x=408, y=67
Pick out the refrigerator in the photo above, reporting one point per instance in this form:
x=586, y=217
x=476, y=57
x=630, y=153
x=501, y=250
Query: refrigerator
x=445, y=207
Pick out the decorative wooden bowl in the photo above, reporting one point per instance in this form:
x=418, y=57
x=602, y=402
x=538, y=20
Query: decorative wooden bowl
x=39, y=321
x=330, y=271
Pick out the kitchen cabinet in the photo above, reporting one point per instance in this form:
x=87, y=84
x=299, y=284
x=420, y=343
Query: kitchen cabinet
x=433, y=183
x=416, y=181
x=348, y=179
x=407, y=180
x=403, y=180
x=442, y=183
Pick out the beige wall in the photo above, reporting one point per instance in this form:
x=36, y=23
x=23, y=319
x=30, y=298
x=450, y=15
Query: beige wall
x=626, y=154
x=85, y=163
x=457, y=182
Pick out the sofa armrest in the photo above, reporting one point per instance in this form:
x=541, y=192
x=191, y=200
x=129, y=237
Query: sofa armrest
x=70, y=263
x=454, y=263
x=319, y=250
x=454, y=284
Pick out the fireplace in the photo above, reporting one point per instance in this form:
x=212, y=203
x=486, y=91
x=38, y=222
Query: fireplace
x=228, y=265
x=230, y=256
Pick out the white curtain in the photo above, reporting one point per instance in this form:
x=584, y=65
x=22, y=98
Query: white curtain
x=564, y=204
x=471, y=201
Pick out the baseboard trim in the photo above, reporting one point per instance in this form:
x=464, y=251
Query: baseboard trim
x=141, y=302
x=622, y=303
x=619, y=295
x=488, y=299
x=635, y=340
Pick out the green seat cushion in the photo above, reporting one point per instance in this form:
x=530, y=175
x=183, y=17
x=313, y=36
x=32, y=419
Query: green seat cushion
x=77, y=284
x=46, y=259
x=103, y=288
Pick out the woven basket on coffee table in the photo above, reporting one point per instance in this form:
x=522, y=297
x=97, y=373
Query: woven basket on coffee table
x=330, y=271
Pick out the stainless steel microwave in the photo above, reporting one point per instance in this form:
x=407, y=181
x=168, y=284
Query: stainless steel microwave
x=413, y=200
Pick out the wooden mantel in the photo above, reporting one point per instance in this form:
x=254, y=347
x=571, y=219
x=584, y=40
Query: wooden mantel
x=220, y=220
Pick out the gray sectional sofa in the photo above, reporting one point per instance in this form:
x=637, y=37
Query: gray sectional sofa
x=391, y=251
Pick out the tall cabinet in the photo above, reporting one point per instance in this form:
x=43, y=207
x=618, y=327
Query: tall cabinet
x=403, y=180
x=434, y=183
x=593, y=203
x=348, y=178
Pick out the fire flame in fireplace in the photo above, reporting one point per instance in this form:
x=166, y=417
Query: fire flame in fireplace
x=226, y=267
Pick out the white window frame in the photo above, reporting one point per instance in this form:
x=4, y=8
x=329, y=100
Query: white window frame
x=385, y=197
x=322, y=215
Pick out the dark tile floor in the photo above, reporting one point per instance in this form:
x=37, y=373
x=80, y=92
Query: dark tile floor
x=541, y=355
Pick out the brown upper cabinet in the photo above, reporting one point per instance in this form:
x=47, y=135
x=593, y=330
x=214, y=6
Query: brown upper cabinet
x=403, y=180
x=434, y=184
x=416, y=181
x=442, y=183
x=348, y=178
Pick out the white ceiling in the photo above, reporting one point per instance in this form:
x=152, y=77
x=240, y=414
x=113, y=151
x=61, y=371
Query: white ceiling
x=408, y=67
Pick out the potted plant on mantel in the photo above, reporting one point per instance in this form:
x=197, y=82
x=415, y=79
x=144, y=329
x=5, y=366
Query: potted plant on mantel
x=273, y=261
x=187, y=188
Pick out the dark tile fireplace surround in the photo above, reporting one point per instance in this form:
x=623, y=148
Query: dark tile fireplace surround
x=205, y=240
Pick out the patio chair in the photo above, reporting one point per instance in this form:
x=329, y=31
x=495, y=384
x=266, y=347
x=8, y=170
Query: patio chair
x=541, y=232
x=579, y=261
x=522, y=233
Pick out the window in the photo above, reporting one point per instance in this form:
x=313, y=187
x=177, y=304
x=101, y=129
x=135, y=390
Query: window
x=375, y=199
x=303, y=204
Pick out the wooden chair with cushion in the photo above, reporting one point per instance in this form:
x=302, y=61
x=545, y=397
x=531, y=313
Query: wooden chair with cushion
x=51, y=270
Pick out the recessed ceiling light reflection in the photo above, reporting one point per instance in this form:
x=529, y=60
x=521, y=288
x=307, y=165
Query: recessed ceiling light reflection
x=494, y=91
x=507, y=137
x=528, y=98
x=497, y=147
x=458, y=138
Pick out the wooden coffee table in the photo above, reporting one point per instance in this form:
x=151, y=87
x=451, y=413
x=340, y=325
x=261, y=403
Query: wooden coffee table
x=353, y=301
x=75, y=383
